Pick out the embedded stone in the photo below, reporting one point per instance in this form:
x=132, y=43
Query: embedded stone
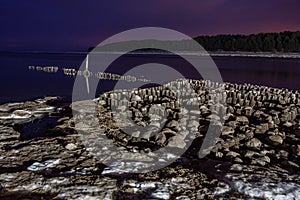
x=71, y=146
x=275, y=140
x=160, y=138
x=254, y=143
x=242, y=119
x=226, y=130
x=296, y=149
x=177, y=141
x=232, y=154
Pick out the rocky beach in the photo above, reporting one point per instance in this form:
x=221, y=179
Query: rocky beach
x=256, y=156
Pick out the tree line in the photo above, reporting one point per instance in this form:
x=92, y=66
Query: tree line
x=263, y=42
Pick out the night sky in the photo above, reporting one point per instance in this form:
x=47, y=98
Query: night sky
x=60, y=25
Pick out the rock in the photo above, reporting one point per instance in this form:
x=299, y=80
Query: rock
x=257, y=114
x=261, y=129
x=147, y=134
x=227, y=130
x=296, y=149
x=229, y=117
x=142, y=124
x=168, y=132
x=173, y=124
x=62, y=120
x=232, y=154
x=160, y=138
x=266, y=159
x=254, y=143
x=231, y=142
x=251, y=154
x=271, y=124
x=233, y=124
x=240, y=137
x=238, y=110
x=176, y=141
x=258, y=162
x=288, y=124
x=136, y=98
x=71, y=146
x=156, y=125
x=282, y=154
x=242, y=119
x=275, y=140
x=237, y=160
x=136, y=134
x=219, y=154
x=236, y=167
x=248, y=111
x=249, y=135
x=197, y=112
x=213, y=117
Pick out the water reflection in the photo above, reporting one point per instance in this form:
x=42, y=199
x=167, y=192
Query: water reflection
x=87, y=74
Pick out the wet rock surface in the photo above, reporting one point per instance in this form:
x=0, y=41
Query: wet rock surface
x=256, y=156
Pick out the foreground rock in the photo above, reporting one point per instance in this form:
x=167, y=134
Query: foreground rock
x=255, y=157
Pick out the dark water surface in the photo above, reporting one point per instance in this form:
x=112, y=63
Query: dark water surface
x=18, y=83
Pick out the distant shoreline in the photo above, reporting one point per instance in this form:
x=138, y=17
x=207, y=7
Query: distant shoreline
x=211, y=53
x=254, y=54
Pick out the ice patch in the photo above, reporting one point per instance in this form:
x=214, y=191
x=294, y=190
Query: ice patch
x=45, y=109
x=123, y=167
x=266, y=188
x=42, y=166
x=59, y=181
x=161, y=193
x=222, y=190
x=14, y=104
x=16, y=117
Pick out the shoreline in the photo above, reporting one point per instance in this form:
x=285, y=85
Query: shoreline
x=255, y=54
x=211, y=53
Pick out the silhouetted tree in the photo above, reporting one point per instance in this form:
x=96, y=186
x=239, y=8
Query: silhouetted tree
x=269, y=42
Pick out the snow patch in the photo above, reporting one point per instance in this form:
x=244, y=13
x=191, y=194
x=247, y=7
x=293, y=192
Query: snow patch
x=266, y=188
x=37, y=166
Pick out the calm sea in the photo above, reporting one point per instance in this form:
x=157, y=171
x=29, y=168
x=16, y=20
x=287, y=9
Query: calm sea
x=18, y=83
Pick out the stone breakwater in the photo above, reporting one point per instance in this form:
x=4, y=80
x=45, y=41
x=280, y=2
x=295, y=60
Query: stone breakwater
x=261, y=124
x=255, y=157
